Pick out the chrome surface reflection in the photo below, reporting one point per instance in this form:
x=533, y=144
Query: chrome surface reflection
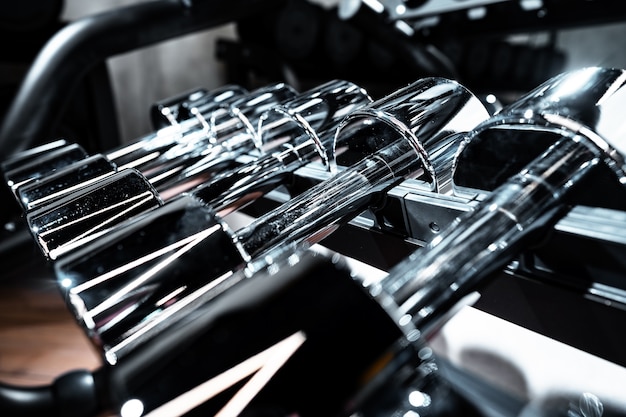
x=274, y=337
x=282, y=125
x=166, y=112
x=39, y=167
x=230, y=131
x=555, y=121
x=174, y=110
x=412, y=133
x=308, y=111
x=436, y=110
x=28, y=155
x=270, y=330
x=307, y=125
x=70, y=222
x=161, y=156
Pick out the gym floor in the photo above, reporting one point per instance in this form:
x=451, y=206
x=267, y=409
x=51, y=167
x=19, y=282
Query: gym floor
x=39, y=339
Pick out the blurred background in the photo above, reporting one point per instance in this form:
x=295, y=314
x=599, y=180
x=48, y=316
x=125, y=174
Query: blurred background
x=305, y=43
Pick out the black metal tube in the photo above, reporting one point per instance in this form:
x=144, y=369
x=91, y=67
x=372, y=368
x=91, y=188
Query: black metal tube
x=81, y=45
x=73, y=394
x=27, y=401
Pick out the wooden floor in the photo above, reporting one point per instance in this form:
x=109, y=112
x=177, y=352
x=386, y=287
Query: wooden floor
x=39, y=339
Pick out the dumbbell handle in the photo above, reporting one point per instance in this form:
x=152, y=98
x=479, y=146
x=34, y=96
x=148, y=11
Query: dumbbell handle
x=227, y=191
x=483, y=241
x=313, y=214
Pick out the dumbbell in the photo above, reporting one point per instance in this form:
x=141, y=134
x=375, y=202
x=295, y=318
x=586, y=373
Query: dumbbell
x=161, y=154
x=78, y=174
x=560, y=145
x=229, y=133
x=131, y=281
x=85, y=214
x=319, y=108
x=232, y=189
x=40, y=163
x=187, y=111
x=298, y=338
x=570, y=130
x=34, y=164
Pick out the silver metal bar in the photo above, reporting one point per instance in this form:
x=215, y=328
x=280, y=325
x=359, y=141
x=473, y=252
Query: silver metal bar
x=484, y=240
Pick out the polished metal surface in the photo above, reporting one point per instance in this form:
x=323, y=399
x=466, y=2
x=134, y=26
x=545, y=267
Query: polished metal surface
x=304, y=130
x=318, y=108
x=484, y=240
x=28, y=155
x=202, y=106
x=306, y=112
x=357, y=230
x=285, y=125
x=304, y=306
x=167, y=112
x=152, y=279
x=407, y=134
x=442, y=107
x=45, y=183
x=38, y=168
x=186, y=126
x=71, y=222
x=173, y=164
x=64, y=181
x=244, y=114
x=584, y=102
x=110, y=278
x=230, y=131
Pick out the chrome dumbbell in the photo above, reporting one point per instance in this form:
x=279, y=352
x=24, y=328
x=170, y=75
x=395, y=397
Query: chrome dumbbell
x=572, y=124
x=160, y=153
x=318, y=109
x=83, y=215
x=266, y=343
x=231, y=189
x=176, y=109
x=35, y=164
x=535, y=158
x=413, y=132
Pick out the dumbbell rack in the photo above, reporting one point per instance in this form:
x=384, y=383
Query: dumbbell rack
x=545, y=289
x=570, y=281
x=567, y=286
